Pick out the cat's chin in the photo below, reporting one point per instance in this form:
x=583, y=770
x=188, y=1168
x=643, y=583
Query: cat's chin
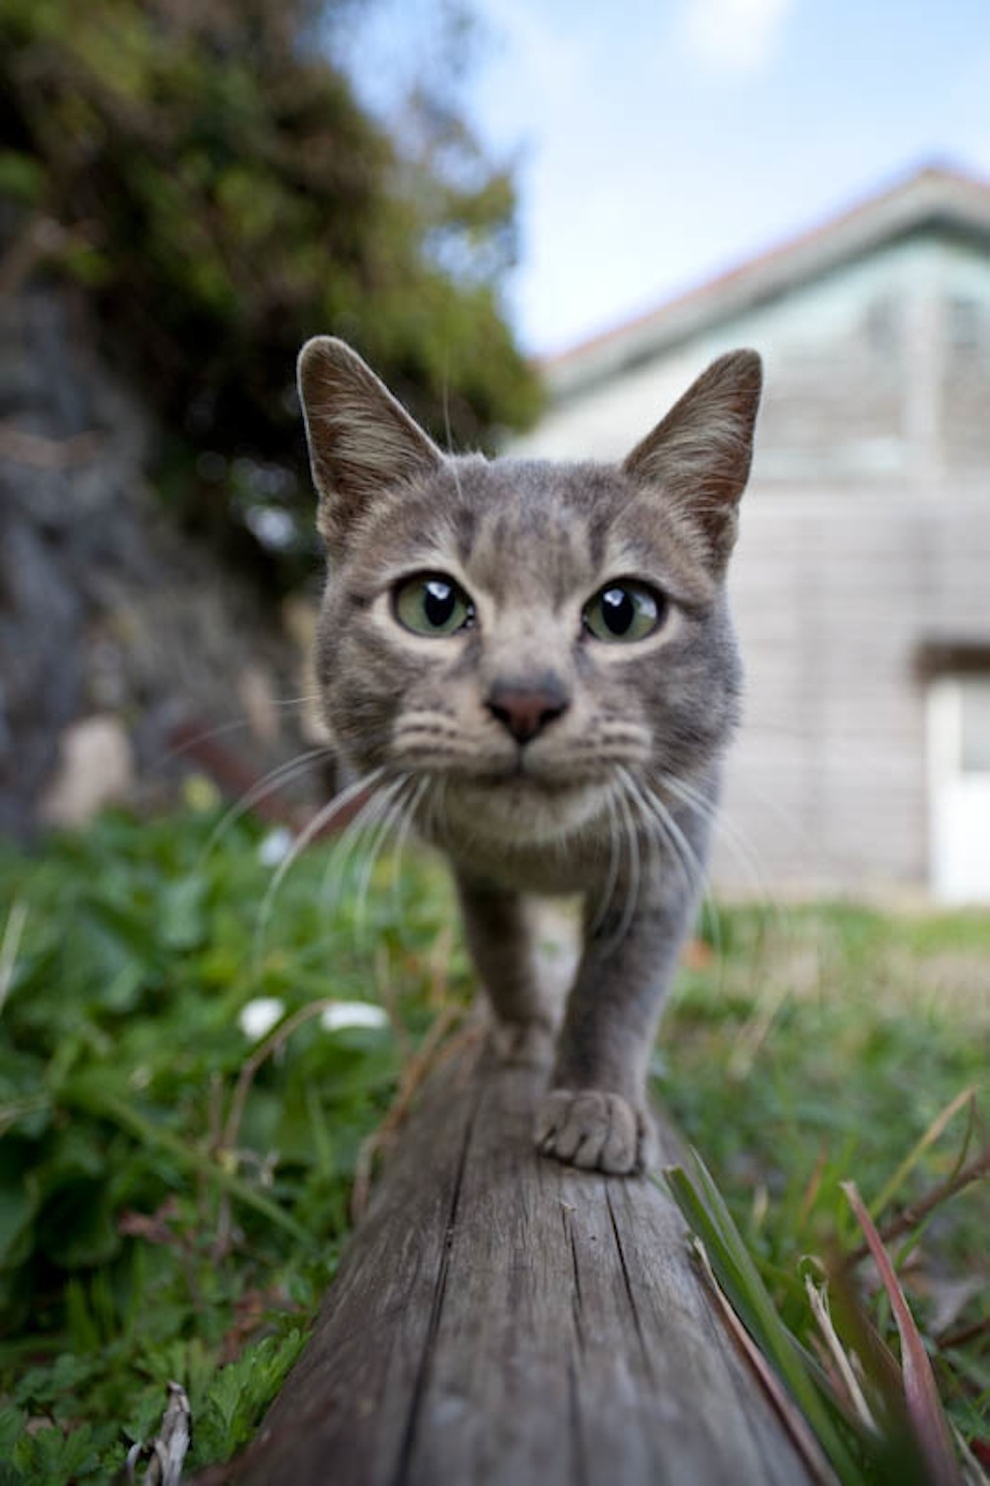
x=521, y=811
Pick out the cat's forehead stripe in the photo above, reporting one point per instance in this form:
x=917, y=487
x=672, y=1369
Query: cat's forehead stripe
x=516, y=524
x=464, y=524
x=525, y=553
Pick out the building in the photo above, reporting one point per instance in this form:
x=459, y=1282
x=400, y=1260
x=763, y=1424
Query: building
x=861, y=584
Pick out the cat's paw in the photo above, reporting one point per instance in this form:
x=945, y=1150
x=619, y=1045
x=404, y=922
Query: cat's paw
x=530, y=1043
x=594, y=1130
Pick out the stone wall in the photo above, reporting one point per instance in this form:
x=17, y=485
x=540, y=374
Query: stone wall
x=118, y=632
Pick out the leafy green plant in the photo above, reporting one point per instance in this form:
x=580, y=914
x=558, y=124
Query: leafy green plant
x=174, y=1188
x=210, y=176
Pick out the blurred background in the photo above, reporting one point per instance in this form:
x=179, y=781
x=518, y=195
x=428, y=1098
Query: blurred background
x=538, y=222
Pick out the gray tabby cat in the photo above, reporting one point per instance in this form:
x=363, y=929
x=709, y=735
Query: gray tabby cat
x=537, y=660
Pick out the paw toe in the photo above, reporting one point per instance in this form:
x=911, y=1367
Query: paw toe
x=593, y=1130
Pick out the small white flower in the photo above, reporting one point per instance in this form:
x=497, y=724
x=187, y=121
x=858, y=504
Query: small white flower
x=275, y=847
x=352, y=1014
x=259, y=1016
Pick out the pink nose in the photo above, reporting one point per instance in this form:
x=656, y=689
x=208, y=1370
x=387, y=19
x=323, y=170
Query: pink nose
x=525, y=710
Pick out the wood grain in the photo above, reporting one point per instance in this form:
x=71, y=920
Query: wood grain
x=500, y=1320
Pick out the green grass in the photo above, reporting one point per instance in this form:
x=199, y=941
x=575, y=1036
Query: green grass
x=821, y=1046
x=836, y=1044
x=163, y=1216
x=174, y=1196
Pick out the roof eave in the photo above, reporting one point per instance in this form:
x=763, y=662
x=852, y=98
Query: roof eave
x=931, y=200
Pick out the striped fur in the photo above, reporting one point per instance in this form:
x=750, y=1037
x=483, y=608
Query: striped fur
x=542, y=757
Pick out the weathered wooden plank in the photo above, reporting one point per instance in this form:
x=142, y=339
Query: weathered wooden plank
x=501, y=1320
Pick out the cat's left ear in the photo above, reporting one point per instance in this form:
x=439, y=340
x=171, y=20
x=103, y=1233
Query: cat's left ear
x=700, y=454
x=361, y=439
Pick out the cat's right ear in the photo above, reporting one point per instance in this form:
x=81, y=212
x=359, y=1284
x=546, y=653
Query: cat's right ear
x=699, y=455
x=361, y=439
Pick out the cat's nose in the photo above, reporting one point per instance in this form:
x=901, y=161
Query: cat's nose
x=526, y=708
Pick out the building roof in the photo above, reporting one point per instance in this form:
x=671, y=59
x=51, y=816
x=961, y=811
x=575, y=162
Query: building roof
x=936, y=197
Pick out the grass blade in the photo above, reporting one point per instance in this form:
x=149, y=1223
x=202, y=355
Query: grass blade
x=920, y=1391
x=187, y=1156
x=705, y=1211
x=794, y=1420
x=891, y=1187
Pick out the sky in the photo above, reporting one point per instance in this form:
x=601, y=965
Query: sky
x=658, y=143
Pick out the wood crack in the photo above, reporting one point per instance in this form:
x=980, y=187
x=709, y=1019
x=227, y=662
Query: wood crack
x=577, y=1303
x=436, y=1309
x=627, y=1282
x=578, y=1447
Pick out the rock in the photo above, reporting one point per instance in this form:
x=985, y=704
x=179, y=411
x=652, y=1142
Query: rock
x=95, y=769
x=107, y=609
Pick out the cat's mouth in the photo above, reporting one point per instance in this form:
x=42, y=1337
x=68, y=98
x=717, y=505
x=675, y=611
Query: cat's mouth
x=518, y=805
x=520, y=777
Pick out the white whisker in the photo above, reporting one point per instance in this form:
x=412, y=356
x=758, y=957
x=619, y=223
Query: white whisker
x=434, y=823
x=365, y=821
x=696, y=878
x=614, y=847
x=235, y=725
x=321, y=819
x=447, y=428
x=391, y=814
x=685, y=858
x=632, y=886
x=402, y=835
x=265, y=786
x=207, y=735
x=693, y=797
x=736, y=842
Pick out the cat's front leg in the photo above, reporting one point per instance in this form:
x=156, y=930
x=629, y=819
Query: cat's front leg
x=595, y=1114
x=499, y=933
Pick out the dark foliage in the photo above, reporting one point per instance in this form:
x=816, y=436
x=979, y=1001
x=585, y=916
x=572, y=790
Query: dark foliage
x=208, y=174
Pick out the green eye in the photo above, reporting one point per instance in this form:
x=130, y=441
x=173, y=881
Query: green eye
x=432, y=604
x=622, y=613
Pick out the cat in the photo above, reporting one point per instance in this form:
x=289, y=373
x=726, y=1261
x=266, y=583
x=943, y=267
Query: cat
x=537, y=660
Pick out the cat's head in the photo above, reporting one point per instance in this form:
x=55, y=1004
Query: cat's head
x=526, y=630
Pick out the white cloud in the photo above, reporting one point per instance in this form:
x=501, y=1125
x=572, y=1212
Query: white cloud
x=734, y=36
